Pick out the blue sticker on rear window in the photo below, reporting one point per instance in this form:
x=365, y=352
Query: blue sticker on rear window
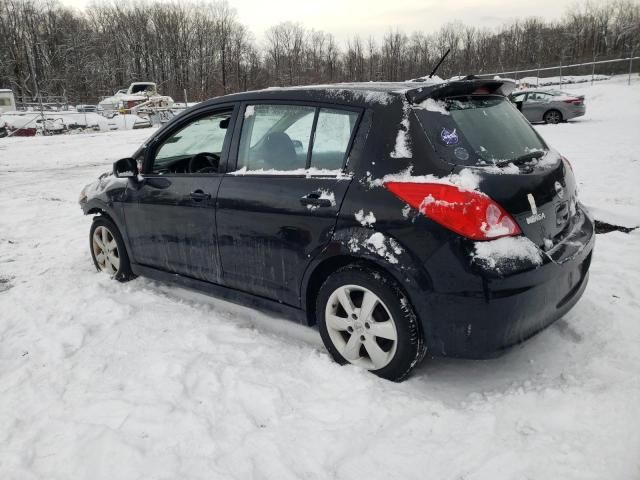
x=449, y=137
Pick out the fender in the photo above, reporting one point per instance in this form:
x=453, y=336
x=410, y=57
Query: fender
x=383, y=251
x=109, y=203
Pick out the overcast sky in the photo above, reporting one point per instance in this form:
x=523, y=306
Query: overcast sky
x=344, y=18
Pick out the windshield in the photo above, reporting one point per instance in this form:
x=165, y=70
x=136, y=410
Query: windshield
x=479, y=130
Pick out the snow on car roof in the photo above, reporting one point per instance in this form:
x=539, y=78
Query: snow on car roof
x=372, y=93
x=388, y=87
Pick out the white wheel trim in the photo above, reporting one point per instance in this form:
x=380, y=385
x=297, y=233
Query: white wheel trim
x=361, y=328
x=105, y=250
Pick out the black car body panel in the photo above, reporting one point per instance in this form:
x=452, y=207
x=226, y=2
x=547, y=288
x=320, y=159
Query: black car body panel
x=256, y=238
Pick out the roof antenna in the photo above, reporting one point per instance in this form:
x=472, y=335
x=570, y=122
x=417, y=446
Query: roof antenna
x=439, y=63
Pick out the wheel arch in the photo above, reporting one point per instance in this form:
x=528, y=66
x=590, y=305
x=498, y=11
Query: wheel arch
x=553, y=109
x=97, y=207
x=411, y=280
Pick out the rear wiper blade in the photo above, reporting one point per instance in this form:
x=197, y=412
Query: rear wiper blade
x=527, y=157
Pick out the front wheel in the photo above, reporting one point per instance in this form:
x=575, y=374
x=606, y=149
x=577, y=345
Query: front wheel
x=108, y=251
x=365, y=319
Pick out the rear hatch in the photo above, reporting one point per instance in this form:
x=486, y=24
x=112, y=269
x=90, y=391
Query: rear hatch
x=481, y=130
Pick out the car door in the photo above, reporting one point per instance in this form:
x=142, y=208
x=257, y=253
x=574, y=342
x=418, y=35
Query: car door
x=170, y=212
x=518, y=99
x=535, y=106
x=278, y=209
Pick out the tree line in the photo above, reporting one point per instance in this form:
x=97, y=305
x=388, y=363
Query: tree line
x=203, y=47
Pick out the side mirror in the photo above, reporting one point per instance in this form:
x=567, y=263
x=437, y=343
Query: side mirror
x=125, y=168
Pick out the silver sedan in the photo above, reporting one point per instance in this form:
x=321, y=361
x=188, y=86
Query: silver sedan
x=549, y=106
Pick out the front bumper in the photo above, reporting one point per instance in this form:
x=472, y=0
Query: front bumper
x=495, y=312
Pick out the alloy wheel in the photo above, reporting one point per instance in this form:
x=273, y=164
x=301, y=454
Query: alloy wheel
x=360, y=327
x=553, y=117
x=105, y=250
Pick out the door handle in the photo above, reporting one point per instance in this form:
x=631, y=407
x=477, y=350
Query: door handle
x=314, y=200
x=199, y=196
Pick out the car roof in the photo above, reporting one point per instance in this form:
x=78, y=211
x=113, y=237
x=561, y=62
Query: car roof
x=366, y=93
x=357, y=94
x=535, y=90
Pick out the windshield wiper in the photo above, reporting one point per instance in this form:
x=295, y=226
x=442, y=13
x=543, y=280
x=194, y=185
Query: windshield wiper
x=527, y=157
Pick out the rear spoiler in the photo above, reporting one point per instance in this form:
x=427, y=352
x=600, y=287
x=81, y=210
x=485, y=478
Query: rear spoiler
x=467, y=86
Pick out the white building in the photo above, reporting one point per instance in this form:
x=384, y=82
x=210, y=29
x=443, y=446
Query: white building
x=7, y=101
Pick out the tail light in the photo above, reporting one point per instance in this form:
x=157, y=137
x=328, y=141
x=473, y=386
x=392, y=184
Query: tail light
x=574, y=101
x=469, y=213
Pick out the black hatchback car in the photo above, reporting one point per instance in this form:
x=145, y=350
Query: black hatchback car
x=401, y=218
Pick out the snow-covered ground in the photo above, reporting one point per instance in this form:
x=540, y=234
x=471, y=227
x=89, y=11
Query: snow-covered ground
x=603, y=147
x=58, y=120
x=104, y=380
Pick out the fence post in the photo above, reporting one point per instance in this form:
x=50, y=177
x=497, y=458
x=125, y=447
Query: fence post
x=630, y=67
x=185, y=97
x=560, y=72
x=593, y=70
x=538, y=77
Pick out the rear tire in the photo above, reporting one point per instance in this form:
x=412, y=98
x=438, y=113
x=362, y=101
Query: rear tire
x=108, y=251
x=552, y=116
x=365, y=319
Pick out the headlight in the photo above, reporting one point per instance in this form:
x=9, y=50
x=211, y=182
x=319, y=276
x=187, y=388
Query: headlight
x=83, y=195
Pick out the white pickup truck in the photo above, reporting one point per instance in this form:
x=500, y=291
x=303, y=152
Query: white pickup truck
x=137, y=93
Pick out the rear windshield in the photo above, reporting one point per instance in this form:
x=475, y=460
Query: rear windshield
x=479, y=130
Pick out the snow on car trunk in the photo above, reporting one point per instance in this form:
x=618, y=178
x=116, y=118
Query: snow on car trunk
x=105, y=380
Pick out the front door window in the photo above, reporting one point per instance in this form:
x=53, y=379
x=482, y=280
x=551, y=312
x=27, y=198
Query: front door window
x=194, y=149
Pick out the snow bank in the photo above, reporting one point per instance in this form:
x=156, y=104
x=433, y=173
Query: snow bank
x=566, y=80
x=73, y=120
x=69, y=119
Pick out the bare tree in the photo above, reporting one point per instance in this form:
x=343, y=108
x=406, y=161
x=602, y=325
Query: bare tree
x=200, y=45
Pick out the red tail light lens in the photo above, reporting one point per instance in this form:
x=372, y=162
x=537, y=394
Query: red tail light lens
x=575, y=101
x=469, y=213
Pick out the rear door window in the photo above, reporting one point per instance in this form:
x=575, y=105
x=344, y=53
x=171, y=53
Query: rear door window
x=295, y=139
x=332, y=138
x=480, y=130
x=275, y=137
x=538, y=97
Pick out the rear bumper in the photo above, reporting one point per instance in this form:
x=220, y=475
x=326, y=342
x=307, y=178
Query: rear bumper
x=504, y=310
x=577, y=111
